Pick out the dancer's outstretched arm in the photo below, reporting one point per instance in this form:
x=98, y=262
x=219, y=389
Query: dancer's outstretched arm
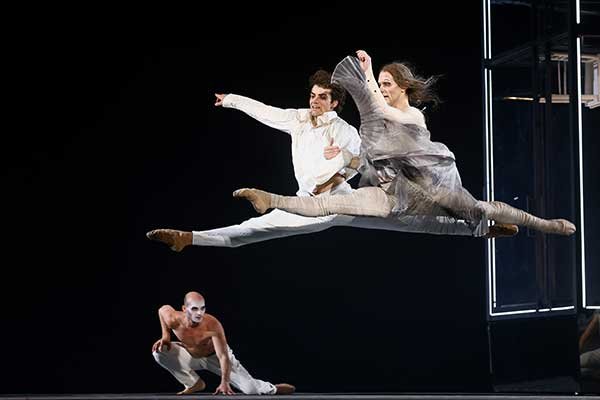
x=282, y=119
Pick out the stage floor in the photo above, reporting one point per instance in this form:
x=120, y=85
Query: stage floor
x=299, y=396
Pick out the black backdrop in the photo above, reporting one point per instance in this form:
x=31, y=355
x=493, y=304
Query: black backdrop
x=115, y=133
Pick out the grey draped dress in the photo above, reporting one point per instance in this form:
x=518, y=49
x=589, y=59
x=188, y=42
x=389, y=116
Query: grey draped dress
x=402, y=159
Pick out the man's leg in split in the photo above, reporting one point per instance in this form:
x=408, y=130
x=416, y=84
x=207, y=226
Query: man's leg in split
x=276, y=224
x=279, y=224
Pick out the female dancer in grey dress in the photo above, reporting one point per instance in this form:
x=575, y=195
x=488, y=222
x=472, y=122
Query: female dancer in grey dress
x=402, y=171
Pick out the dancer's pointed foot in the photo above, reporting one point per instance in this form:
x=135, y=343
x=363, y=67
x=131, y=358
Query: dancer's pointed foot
x=176, y=240
x=564, y=227
x=198, y=387
x=502, y=230
x=285, y=388
x=261, y=201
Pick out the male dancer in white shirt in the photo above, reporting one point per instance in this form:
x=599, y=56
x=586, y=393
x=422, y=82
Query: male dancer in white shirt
x=313, y=132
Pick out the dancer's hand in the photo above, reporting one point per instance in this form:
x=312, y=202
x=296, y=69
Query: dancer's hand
x=224, y=388
x=331, y=151
x=160, y=344
x=219, y=100
x=365, y=60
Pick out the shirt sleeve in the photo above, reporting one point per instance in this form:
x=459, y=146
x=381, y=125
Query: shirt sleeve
x=285, y=120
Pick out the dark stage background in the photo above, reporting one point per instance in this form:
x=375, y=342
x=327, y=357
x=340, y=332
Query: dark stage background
x=116, y=134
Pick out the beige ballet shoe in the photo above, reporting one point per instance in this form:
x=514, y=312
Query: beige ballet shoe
x=502, y=230
x=261, y=201
x=176, y=240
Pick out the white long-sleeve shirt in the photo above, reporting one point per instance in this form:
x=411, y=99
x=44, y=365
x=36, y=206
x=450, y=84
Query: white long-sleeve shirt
x=308, y=142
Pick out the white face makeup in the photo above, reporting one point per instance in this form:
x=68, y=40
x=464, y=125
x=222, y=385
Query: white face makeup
x=194, y=310
x=320, y=101
x=389, y=89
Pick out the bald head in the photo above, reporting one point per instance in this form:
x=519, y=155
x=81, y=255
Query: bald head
x=194, y=307
x=192, y=296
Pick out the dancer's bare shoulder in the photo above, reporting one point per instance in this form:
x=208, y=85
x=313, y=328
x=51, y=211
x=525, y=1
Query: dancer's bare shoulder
x=171, y=316
x=212, y=324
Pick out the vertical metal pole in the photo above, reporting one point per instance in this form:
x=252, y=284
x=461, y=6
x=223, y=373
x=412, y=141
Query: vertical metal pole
x=574, y=72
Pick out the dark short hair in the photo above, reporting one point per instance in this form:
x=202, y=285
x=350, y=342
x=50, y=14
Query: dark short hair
x=322, y=79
